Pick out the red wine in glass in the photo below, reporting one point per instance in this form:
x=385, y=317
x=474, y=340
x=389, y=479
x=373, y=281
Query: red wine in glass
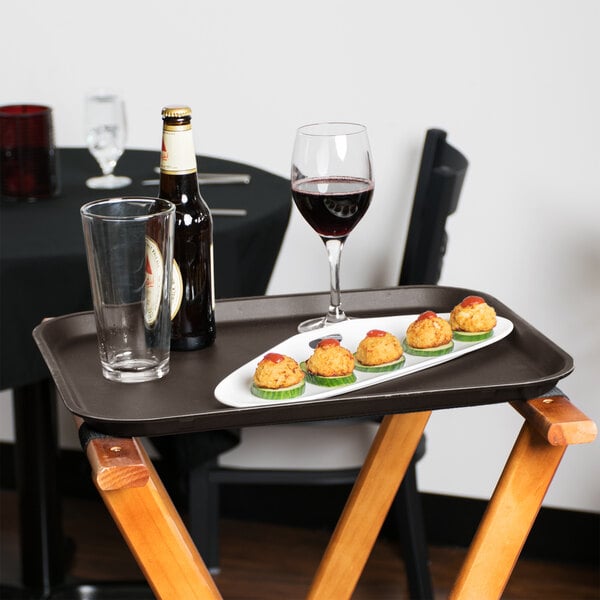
x=332, y=186
x=332, y=206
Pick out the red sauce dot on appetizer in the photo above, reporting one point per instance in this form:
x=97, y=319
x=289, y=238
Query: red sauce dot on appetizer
x=274, y=357
x=428, y=314
x=375, y=333
x=471, y=301
x=328, y=343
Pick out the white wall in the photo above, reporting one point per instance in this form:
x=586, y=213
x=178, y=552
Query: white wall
x=515, y=83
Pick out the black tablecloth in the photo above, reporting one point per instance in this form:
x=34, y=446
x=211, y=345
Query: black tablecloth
x=43, y=270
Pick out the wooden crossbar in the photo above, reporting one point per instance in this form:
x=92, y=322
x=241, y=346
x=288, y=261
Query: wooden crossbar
x=557, y=420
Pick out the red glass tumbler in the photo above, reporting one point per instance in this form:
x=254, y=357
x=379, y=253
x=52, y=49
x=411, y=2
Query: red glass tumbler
x=28, y=168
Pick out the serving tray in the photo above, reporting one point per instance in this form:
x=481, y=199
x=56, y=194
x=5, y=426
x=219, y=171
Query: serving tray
x=522, y=365
x=234, y=390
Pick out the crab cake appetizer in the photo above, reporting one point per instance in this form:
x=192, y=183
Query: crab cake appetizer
x=278, y=377
x=378, y=352
x=428, y=335
x=330, y=364
x=472, y=320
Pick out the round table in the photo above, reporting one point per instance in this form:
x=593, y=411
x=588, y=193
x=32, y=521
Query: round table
x=43, y=273
x=43, y=268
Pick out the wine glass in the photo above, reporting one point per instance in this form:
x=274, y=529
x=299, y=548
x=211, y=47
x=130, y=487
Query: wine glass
x=332, y=185
x=106, y=130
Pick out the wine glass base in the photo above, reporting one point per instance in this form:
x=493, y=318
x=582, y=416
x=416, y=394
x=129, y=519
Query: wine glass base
x=108, y=182
x=318, y=323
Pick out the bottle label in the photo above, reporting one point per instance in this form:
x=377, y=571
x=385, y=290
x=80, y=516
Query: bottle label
x=153, y=282
x=176, y=289
x=177, y=155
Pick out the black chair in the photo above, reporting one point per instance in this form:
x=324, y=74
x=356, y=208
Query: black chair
x=439, y=184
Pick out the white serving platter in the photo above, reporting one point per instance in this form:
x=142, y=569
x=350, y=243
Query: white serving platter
x=234, y=390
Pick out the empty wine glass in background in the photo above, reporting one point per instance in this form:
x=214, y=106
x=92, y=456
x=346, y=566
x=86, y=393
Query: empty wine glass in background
x=106, y=131
x=332, y=185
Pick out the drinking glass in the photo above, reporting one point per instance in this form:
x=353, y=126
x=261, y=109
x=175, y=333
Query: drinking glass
x=106, y=130
x=332, y=186
x=129, y=248
x=28, y=157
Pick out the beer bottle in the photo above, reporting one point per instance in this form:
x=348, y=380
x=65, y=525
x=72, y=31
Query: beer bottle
x=192, y=295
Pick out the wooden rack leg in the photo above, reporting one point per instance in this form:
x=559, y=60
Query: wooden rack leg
x=368, y=505
x=551, y=424
x=147, y=519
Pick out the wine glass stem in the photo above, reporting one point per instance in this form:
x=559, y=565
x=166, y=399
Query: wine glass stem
x=334, y=253
x=108, y=166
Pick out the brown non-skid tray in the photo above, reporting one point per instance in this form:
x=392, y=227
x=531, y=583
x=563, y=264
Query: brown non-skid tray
x=523, y=365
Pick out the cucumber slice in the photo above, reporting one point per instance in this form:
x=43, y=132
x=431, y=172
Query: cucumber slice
x=437, y=351
x=383, y=368
x=293, y=391
x=468, y=336
x=327, y=381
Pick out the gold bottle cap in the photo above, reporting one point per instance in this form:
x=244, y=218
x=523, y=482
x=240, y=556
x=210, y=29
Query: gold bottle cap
x=176, y=111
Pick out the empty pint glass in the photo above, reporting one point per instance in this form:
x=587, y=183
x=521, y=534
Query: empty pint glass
x=129, y=246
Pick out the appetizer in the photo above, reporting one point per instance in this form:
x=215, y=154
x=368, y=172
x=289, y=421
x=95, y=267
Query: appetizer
x=330, y=364
x=472, y=320
x=278, y=377
x=378, y=352
x=428, y=335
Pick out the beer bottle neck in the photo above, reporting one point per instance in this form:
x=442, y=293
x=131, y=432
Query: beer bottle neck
x=178, y=156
